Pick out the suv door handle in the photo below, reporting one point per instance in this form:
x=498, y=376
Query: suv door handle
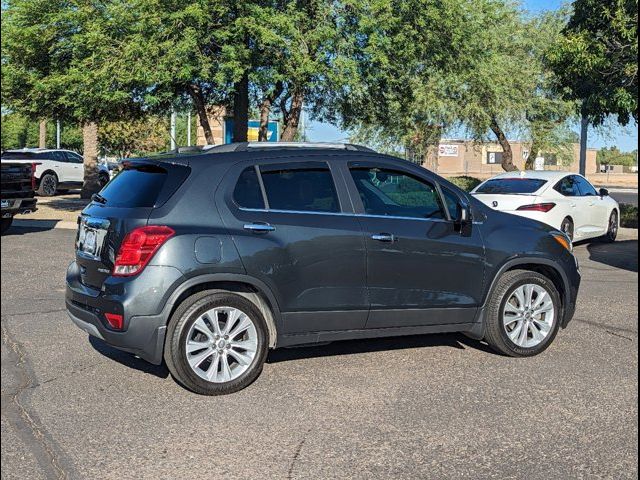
x=259, y=227
x=383, y=237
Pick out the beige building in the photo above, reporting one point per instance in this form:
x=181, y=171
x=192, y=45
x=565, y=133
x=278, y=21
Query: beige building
x=483, y=160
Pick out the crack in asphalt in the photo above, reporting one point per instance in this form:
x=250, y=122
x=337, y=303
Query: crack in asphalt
x=26, y=417
x=296, y=454
x=609, y=328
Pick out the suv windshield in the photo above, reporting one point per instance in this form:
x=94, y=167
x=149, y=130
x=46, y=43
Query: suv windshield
x=511, y=186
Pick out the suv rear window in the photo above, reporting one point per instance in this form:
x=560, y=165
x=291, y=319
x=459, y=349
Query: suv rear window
x=26, y=156
x=507, y=186
x=247, y=193
x=142, y=186
x=304, y=190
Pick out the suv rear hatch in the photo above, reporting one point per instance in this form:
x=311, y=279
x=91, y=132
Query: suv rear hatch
x=124, y=204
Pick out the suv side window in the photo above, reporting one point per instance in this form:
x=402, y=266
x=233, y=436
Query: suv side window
x=304, y=189
x=452, y=201
x=392, y=193
x=586, y=189
x=567, y=187
x=72, y=157
x=57, y=156
x=247, y=193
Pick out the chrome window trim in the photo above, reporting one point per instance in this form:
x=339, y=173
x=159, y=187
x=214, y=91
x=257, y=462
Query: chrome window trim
x=341, y=214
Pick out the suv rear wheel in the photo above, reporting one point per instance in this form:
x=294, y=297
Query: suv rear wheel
x=48, y=185
x=523, y=314
x=216, y=343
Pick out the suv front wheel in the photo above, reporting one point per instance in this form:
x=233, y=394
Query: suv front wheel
x=216, y=343
x=523, y=314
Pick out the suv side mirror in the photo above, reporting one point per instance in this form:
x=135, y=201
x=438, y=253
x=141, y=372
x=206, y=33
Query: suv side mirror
x=604, y=192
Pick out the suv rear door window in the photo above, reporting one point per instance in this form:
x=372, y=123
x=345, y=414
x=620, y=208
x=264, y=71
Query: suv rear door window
x=247, y=193
x=511, y=186
x=392, y=193
x=307, y=188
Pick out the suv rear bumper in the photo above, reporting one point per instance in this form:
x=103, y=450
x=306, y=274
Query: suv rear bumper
x=141, y=302
x=18, y=205
x=144, y=337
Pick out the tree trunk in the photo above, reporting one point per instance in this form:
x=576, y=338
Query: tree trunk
x=292, y=116
x=507, y=153
x=91, y=183
x=584, y=130
x=201, y=108
x=241, y=109
x=42, y=134
x=530, y=164
x=265, y=110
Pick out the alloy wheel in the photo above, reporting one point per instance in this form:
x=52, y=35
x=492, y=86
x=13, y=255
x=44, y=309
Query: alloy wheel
x=221, y=344
x=613, y=225
x=529, y=315
x=49, y=185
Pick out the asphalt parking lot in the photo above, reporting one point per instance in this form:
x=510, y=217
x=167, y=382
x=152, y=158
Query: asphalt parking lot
x=438, y=406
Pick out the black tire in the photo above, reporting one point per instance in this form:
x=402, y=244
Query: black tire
x=185, y=315
x=567, y=227
x=48, y=185
x=6, y=225
x=612, y=232
x=495, y=334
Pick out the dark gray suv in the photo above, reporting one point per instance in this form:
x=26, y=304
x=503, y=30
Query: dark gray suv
x=207, y=260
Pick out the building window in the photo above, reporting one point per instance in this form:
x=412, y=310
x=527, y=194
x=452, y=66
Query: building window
x=494, y=158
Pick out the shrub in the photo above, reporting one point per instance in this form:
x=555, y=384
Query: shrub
x=465, y=183
x=628, y=216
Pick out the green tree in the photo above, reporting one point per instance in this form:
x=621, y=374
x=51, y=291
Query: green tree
x=596, y=62
x=127, y=138
x=613, y=156
x=68, y=60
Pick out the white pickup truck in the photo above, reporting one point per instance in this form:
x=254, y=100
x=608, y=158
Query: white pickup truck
x=56, y=170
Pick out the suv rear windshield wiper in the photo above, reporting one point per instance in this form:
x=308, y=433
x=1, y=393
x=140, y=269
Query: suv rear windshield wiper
x=96, y=197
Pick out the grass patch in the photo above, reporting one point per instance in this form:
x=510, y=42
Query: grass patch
x=628, y=216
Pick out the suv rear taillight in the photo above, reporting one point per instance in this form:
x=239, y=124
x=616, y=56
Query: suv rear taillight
x=33, y=175
x=538, y=207
x=138, y=247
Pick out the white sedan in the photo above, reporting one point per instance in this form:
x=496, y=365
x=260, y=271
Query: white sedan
x=566, y=201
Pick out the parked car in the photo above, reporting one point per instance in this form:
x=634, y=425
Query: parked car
x=209, y=260
x=57, y=170
x=16, y=191
x=566, y=201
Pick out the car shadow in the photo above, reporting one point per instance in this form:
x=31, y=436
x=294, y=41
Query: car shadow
x=64, y=204
x=128, y=359
x=622, y=254
x=353, y=347
x=32, y=227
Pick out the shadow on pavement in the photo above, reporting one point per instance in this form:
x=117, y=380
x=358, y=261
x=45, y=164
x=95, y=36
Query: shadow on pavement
x=64, y=204
x=351, y=347
x=128, y=359
x=623, y=254
x=34, y=226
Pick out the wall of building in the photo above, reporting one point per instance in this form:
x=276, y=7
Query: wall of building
x=471, y=158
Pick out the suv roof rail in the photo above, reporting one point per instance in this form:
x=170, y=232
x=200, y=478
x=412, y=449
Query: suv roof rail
x=244, y=146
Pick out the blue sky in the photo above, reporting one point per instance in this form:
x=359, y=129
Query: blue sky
x=625, y=138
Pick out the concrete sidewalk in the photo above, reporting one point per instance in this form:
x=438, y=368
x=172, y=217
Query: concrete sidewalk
x=60, y=211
